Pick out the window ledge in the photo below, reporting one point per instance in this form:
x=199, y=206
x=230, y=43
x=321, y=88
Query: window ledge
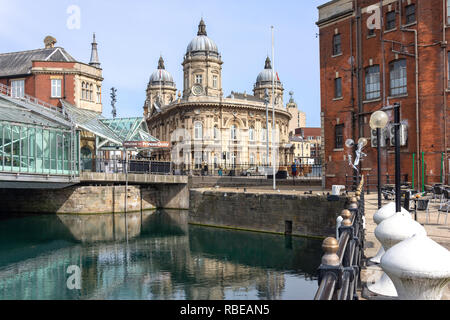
x=390, y=30
x=409, y=24
x=338, y=149
x=337, y=55
x=337, y=99
x=371, y=36
x=372, y=100
x=399, y=96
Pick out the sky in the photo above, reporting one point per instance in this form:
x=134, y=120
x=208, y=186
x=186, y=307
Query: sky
x=131, y=35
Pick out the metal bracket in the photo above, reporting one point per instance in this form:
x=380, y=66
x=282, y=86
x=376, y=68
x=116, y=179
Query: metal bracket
x=336, y=271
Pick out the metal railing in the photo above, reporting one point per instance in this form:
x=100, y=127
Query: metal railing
x=283, y=171
x=339, y=273
x=371, y=182
x=120, y=166
x=27, y=98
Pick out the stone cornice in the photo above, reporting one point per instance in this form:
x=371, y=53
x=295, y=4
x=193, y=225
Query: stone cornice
x=217, y=104
x=41, y=70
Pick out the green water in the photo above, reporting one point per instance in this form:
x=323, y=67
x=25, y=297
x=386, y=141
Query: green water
x=166, y=259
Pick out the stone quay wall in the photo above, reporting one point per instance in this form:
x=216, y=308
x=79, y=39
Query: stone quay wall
x=297, y=214
x=94, y=199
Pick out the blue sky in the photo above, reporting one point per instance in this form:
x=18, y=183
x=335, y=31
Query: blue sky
x=132, y=34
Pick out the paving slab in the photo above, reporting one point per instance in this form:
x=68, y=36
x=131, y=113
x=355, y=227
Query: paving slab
x=439, y=232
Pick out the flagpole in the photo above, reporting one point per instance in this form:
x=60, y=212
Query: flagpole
x=273, y=113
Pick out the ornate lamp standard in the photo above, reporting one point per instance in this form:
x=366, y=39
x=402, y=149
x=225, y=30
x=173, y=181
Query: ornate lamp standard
x=396, y=108
x=378, y=121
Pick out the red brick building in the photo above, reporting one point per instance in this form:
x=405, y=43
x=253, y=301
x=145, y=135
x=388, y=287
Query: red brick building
x=51, y=74
x=370, y=60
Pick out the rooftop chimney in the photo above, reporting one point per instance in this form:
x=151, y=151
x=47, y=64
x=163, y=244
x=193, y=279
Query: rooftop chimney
x=49, y=42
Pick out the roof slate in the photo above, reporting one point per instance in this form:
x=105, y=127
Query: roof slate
x=20, y=63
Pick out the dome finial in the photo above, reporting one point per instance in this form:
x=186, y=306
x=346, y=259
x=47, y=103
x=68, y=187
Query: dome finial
x=202, y=28
x=161, y=63
x=268, y=63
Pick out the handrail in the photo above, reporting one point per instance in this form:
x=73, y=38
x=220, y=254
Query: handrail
x=6, y=90
x=339, y=272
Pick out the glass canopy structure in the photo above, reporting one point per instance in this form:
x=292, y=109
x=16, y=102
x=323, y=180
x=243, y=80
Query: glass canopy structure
x=110, y=133
x=36, y=140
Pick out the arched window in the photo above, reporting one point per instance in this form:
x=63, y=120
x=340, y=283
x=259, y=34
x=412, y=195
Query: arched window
x=233, y=133
x=198, y=130
x=99, y=94
x=91, y=93
x=251, y=134
x=83, y=92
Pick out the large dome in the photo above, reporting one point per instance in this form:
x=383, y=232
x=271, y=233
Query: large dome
x=202, y=43
x=267, y=74
x=161, y=76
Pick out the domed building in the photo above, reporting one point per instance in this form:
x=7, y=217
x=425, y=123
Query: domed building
x=202, y=125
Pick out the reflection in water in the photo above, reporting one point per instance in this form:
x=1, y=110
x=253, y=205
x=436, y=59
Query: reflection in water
x=168, y=259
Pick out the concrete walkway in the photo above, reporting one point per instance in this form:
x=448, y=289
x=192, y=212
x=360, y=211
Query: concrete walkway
x=438, y=232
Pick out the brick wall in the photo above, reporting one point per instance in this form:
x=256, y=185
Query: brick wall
x=432, y=85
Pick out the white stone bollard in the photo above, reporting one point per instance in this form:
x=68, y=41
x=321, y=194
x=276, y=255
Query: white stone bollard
x=418, y=267
x=390, y=232
x=385, y=212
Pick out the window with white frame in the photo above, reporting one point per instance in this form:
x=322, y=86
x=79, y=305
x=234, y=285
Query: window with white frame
x=215, y=81
x=373, y=82
x=56, y=88
x=251, y=134
x=198, y=130
x=233, y=133
x=18, y=88
x=398, y=80
x=198, y=78
x=263, y=134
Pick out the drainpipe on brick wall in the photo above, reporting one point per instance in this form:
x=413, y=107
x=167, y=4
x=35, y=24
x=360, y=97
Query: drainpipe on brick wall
x=445, y=85
x=416, y=53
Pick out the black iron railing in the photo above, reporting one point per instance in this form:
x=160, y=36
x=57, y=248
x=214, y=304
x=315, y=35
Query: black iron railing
x=339, y=272
x=120, y=166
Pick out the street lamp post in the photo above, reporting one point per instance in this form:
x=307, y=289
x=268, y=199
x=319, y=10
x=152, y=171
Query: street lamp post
x=396, y=108
x=397, y=156
x=378, y=121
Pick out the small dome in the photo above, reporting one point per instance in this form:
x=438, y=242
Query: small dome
x=202, y=43
x=267, y=74
x=161, y=76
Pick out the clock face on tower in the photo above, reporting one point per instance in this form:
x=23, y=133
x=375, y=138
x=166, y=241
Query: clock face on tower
x=197, y=90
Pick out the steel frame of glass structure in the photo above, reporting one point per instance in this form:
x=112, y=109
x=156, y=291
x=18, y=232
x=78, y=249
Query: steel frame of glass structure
x=31, y=149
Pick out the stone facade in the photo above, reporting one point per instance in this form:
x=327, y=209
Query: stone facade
x=203, y=126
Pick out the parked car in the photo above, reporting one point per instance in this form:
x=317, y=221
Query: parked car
x=254, y=171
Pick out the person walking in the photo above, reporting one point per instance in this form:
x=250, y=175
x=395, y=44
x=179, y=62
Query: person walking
x=294, y=171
